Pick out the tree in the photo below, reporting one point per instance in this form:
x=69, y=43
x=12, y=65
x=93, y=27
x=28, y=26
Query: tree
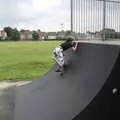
x=12, y=34
x=8, y=30
x=69, y=34
x=109, y=33
x=117, y=35
x=35, y=35
x=1, y=38
x=15, y=35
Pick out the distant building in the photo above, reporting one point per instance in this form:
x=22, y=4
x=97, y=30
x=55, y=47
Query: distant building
x=25, y=35
x=79, y=36
x=61, y=35
x=40, y=34
x=98, y=36
x=93, y=36
x=90, y=35
x=51, y=36
x=43, y=35
x=3, y=34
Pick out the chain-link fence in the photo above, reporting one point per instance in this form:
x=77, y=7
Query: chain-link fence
x=95, y=19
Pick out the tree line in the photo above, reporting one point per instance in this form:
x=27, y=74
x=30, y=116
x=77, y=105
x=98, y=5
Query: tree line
x=14, y=35
x=110, y=34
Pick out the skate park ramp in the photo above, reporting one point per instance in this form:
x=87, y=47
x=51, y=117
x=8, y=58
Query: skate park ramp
x=67, y=97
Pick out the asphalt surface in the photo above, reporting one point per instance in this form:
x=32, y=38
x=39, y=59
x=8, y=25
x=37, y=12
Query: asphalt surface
x=7, y=103
x=53, y=97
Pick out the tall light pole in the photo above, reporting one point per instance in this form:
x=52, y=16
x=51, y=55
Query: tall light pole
x=62, y=31
x=104, y=18
x=61, y=27
x=71, y=6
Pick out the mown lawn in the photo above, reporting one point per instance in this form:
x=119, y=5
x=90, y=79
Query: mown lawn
x=25, y=60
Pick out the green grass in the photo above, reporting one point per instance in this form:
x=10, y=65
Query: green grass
x=25, y=60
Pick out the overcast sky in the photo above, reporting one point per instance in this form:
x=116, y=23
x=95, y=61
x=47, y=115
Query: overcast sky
x=46, y=15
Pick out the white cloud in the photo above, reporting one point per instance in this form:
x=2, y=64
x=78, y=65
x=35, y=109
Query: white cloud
x=34, y=14
x=45, y=5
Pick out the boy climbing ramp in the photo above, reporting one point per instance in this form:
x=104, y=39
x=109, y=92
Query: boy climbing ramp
x=58, y=55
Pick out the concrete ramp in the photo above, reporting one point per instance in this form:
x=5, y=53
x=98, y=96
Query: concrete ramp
x=78, y=94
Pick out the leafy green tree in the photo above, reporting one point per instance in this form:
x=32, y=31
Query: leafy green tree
x=15, y=35
x=12, y=34
x=109, y=33
x=0, y=38
x=68, y=33
x=35, y=35
x=8, y=30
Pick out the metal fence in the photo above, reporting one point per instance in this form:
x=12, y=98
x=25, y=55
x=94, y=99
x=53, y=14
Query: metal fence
x=95, y=19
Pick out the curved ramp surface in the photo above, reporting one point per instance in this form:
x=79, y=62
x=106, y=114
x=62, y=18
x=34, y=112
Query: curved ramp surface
x=53, y=97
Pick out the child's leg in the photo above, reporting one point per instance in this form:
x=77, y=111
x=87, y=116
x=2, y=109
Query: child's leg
x=58, y=68
x=58, y=57
x=61, y=64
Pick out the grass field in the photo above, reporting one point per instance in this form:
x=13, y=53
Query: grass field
x=25, y=60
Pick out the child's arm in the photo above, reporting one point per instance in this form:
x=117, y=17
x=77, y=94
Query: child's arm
x=75, y=47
